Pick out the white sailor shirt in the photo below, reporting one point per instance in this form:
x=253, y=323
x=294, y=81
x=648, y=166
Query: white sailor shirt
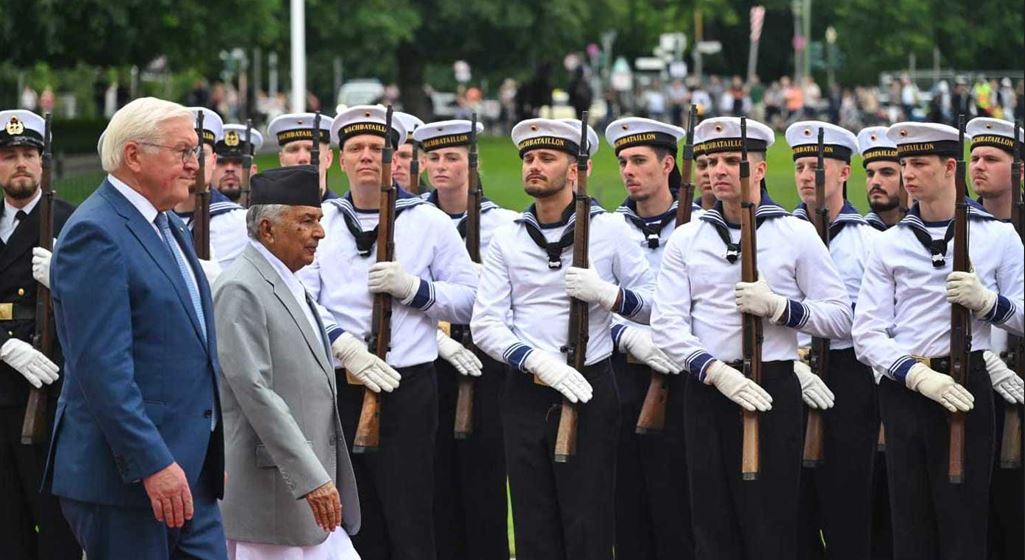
x=492, y=217
x=695, y=317
x=228, y=233
x=522, y=302
x=902, y=308
x=426, y=246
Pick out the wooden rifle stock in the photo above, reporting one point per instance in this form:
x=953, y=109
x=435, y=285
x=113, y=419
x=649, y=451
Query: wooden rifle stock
x=315, y=145
x=1011, y=443
x=414, y=167
x=576, y=350
x=247, y=164
x=201, y=196
x=368, y=431
x=819, y=356
x=652, y=418
x=750, y=463
x=34, y=428
x=466, y=384
x=960, y=317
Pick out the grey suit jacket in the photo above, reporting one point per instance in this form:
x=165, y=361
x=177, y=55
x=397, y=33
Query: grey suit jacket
x=282, y=433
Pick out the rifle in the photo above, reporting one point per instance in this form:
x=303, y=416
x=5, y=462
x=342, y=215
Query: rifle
x=368, y=432
x=819, y=356
x=33, y=429
x=315, y=147
x=752, y=324
x=1011, y=444
x=247, y=164
x=576, y=349
x=201, y=195
x=960, y=317
x=414, y=162
x=652, y=418
x=464, y=397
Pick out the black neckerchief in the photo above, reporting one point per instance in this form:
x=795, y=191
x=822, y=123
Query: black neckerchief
x=938, y=247
x=767, y=210
x=650, y=227
x=365, y=239
x=875, y=221
x=554, y=250
x=848, y=215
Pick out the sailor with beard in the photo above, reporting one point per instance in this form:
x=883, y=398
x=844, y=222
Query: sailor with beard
x=652, y=502
x=21, y=365
x=882, y=178
x=231, y=148
x=521, y=316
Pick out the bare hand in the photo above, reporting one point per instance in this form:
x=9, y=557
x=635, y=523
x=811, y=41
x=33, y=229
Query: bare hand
x=169, y=495
x=326, y=506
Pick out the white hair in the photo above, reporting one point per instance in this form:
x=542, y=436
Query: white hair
x=259, y=212
x=139, y=121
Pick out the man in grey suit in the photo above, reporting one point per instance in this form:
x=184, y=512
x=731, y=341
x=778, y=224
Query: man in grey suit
x=290, y=481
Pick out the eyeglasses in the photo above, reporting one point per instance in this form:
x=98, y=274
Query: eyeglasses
x=186, y=153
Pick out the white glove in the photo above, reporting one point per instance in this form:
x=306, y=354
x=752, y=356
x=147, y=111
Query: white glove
x=738, y=388
x=32, y=364
x=965, y=289
x=559, y=376
x=814, y=391
x=211, y=269
x=1004, y=380
x=372, y=371
x=758, y=299
x=458, y=355
x=585, y=284
x=638, y=343
x=939, y=387
x=388, y=277
x=41, y=265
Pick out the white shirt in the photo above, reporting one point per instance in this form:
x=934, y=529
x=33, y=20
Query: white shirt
x=9, y=217
x=522, y=303
x=295, y=287
x=850, y=249
x=337, y=546
x=695, y=317
x=426, y=245
x=492, y=218
x=902, y=307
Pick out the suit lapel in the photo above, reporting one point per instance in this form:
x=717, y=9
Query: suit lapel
x=23, y=238
x=147, y=236
x=286, y=298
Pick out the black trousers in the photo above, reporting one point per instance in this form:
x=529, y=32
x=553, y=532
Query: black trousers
x=652, y=498
x=561, y=511
x=22, y=508
x=932, y=518
x=736, y=519
x=470, y=506
x=882, y=523
x=836, y=496
x=396, y=482
x=1007, y=498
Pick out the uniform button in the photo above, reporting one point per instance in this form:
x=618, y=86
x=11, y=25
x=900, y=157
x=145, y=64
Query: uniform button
x=331, y=442
x=208, y=413
x=10, y=333
x=21, y=291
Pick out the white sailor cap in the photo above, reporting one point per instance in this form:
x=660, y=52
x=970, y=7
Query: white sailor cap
x=546, y=134
x=411, y=122
x=233, y=143
x=996, y=133
x=21, y=128
x=367, y=119
x=698, y=142
x=636, y=131
x=722, y=134
x=592, y=137
x=876, y=146
x=837, y=142
x=924, y=139
x=213, y=126
x=445, y=134
x=299, y=126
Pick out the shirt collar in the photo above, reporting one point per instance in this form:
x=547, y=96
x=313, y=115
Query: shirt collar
x=141, y=203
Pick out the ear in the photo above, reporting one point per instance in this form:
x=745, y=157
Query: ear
x=131, y=157
x=329, y=157
x=845, y=173
x=253, y=170
x=759, y=172
x=668, y=163
x=281, y=158
x=590, y=164
x=265, y=231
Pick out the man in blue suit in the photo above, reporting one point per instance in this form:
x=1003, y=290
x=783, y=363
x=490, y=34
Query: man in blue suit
x=138, y=422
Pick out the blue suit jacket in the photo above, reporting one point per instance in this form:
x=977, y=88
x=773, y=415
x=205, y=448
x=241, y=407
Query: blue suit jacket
x=140, y=383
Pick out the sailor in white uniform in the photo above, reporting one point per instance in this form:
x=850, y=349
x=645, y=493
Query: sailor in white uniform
x=882, y=178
